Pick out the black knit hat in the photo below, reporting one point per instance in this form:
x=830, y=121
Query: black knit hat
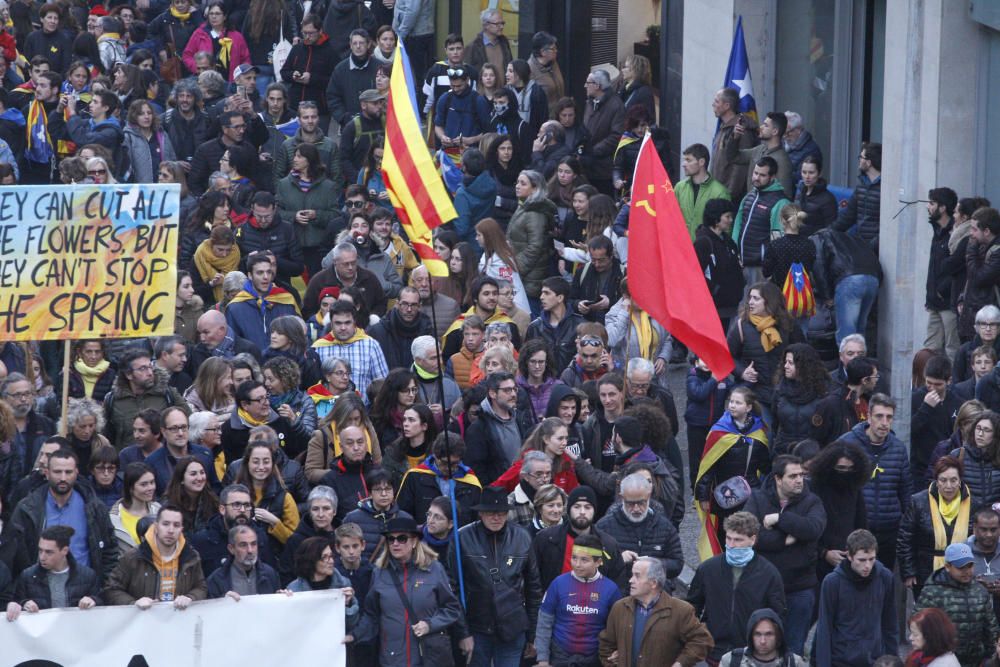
x=582, y=493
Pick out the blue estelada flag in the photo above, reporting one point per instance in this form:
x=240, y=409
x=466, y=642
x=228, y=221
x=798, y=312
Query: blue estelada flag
x=290, y=128
x=738, y=73
x=450, y=172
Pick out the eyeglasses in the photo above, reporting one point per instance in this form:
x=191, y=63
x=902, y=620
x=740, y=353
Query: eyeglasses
x=409, y=304
x=640, y=386
x=398, y=539
x=148, y=368
x=541, y=474
x=341, y=373
x=635, y=503
x=180, y=428
x=988, y=325
x=21, y=395
x=508, y=390
x=214, y=429
x=240, y=506
x=590, y=82
x=237, y=127
x=454, y=72
x=983, y=429
x=327, y=557
x=409, y=390
x=354, y=203
x=106, y=468
x=497, y=22
x=262, y=399
x=96, y=172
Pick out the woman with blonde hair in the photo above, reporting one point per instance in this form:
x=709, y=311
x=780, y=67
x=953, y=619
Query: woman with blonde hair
x=499, y=358
x=213, y=389
x=550, y=508
x=99, y=171
x=792, y=248
x=489, y=81
x=637, y=80
x=498, y=260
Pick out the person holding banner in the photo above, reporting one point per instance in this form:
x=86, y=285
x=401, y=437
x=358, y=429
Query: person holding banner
x=56, y=580
x=164, y=567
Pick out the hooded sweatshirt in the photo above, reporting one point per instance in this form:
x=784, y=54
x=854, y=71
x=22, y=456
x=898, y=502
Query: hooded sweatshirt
x=505, y=430
x=743, y=657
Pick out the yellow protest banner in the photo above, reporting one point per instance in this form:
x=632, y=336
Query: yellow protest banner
x=88, y=261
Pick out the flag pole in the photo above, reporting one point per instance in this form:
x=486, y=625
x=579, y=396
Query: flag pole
x=447, y=445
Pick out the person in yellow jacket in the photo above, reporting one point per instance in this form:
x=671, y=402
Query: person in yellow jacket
x=274, y=505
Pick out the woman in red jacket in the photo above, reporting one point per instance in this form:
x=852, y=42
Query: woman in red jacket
x=550, y=436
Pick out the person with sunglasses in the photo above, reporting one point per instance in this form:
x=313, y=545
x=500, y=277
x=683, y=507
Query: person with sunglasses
x=436, y=81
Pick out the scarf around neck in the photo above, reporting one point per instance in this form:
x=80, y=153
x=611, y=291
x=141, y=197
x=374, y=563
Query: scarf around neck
x=249, y=419
x=208, y=264
x=770, y=337
x=90, y=375
x=955, y=513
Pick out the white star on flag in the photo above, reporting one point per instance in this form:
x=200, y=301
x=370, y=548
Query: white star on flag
x=745, y=85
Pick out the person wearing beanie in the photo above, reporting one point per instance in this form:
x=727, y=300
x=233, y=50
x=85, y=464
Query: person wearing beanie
x=553, y=546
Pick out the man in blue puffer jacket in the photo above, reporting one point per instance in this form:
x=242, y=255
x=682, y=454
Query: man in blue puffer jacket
x=887, y=491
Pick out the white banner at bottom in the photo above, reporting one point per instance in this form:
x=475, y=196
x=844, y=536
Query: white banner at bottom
x=305, y=628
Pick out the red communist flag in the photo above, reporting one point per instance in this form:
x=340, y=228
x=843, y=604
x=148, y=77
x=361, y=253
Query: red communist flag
x=664, y=276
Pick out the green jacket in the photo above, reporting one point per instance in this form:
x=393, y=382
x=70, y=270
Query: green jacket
x=693, y=207
x=971, y=610
x=322, y=197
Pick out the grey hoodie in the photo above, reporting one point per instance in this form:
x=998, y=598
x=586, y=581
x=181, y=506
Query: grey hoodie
x=505, y=430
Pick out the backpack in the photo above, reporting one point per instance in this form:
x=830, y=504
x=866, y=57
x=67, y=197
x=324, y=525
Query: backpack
x=798, y=291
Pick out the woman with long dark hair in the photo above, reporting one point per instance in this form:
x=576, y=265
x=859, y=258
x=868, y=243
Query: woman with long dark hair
x=504, y=164
x=563, y=183
x=146, y=144
x=227, y=46
x=189, y=490
x=757, y=340
x=398, y=392
x=418, y=431
x=138, y=500
x=532, y=102
x=266, y=22
x=239, y=163
x=214, y=209
x=537, y=374
x=818, y=203
x=800, y=384
x=308, y=199
x=288, y=340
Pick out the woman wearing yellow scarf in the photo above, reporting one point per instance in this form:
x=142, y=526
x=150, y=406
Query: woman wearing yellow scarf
x=936, y=517
x=324, y=446
x=757, y=340
x=214, y=36
x=213, y=259
x=633, y=333
x=91, y=375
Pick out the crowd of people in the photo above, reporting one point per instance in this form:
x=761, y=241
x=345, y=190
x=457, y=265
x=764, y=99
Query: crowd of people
x=486, y=463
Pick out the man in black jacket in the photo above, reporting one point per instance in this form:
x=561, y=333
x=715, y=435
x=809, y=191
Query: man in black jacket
x=727, y=589
x=64, y=502
x=235, y=509
x=32, y=426
x=550, y=544
x=640, y=530
x=864, y=207
x=942, y=322
x=217, y=340
x=245, y=129
x=502, y=588
x=933, y=410
x=719, y=258
x=265, y=231
x=185, y=122
x=242, y=573
x=396, y=331
x=352, y=76
x=493, y=438
x=982, y=265
x=793, y=520
x=557, y=323
x=56, y=580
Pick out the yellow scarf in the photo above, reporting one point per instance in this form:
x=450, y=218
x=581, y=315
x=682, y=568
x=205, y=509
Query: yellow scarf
x=108, y=35
x=648, y=338
x=245, y=416
x=177, y=15
x=955, y=513
x=226, y=45
x=770, y=337
x=208, y=264
x=90, y=375
x=167, y=569
x=330, y=339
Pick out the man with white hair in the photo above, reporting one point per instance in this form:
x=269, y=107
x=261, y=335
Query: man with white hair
x=604, y=118
x=651, y=627
x=536, y=472
x=400, y=327
x=490, y=45
x=641, y=382
x=639, y=529
x=799, y=144
x=851, y=347
x=427, y=368
x=442, y=309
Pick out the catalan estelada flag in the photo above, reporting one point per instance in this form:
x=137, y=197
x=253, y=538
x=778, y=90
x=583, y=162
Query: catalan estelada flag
x=411, y=177
x=738, y=73
x=721, y=438
x=798, y=292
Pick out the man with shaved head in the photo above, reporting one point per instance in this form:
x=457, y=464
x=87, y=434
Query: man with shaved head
x=217, y=339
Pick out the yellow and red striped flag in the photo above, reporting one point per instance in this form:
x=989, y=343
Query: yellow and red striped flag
x=415, y=187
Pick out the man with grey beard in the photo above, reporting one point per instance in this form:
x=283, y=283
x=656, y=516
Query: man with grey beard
x=639, y=529
x=32, y=428
x=242, y=573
